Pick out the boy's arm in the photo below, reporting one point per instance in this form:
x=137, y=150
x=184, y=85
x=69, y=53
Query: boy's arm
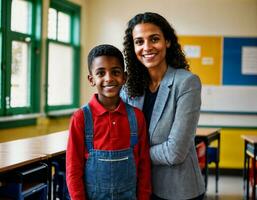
x=144, y=163
x=75, y=158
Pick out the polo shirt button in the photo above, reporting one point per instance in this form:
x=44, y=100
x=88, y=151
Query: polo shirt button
x=113, y=123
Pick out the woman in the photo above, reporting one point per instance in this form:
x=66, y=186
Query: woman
x=160, y=83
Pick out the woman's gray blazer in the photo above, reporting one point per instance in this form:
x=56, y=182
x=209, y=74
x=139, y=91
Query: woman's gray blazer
x=175, y=170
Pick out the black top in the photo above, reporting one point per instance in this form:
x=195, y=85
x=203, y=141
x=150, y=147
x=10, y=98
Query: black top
x=149, y=101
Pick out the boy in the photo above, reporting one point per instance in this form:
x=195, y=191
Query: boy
x=108, y=152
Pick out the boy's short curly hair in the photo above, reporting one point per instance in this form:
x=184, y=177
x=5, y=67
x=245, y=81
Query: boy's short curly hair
x=104, y=50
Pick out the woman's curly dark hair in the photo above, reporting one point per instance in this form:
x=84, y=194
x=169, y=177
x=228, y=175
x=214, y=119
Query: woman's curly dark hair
x=138, y=77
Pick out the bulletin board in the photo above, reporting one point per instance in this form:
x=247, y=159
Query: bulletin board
x=228, y=87
x=204, y=55
x=234, y=70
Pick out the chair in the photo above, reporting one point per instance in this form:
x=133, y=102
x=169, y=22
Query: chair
x=200, y=150
x=26, y=183
x=212, y=155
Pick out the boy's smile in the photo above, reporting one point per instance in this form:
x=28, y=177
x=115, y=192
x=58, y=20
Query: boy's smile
x=108, y=76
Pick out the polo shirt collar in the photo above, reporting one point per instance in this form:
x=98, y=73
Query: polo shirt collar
x=100, y=110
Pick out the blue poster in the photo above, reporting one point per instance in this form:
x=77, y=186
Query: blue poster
x=232, y=61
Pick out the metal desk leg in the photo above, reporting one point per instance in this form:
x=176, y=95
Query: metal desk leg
x=217, y=164
x=247, y=176
x=254, y=172
x=245, y=172
x=206, y=165
x=49, y=179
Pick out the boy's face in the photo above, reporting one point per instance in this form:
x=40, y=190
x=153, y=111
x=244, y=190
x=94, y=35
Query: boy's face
x=108, y=76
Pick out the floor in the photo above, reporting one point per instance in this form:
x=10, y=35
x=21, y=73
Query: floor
x=229, y=188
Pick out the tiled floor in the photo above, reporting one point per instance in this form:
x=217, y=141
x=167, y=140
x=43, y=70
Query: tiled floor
x=229, y=188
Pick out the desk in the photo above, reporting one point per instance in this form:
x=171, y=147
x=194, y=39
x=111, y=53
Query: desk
x=249, y=141
x=50, y=145
x=19, y=159
x=208, y=135
x=26, y=151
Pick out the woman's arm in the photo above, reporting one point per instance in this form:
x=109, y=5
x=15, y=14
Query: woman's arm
x=175, y=149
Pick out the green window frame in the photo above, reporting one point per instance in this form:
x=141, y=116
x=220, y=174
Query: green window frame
x=23, y=46
x=71, y=48
x=1, y=67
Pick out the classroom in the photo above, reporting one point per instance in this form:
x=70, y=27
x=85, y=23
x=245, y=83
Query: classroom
x=44, y=46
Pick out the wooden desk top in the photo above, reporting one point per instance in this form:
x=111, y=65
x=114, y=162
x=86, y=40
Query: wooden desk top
x=21, y=152
x=250, y=138
x=207, y=135
x=52, y=144
x=206, y=131
x=11, y=161
x=49, y=145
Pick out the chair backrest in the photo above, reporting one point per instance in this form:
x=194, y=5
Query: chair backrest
x=201, y=154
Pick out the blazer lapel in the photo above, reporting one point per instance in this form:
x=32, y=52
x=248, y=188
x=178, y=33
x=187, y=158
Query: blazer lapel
x=161, y=98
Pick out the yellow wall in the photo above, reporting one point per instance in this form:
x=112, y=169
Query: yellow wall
x=44, y=126
x=232, y=147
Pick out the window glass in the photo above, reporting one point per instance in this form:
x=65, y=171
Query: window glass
x=20, y=57
x=63, y=27
x=19, y=75
x=21, y=16
x=59, y=74
x=63, y=56
x=52, y=23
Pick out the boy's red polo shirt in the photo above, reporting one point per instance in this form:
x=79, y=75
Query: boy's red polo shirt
x=111, y=132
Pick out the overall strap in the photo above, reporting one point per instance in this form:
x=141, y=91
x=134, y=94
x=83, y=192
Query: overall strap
x=132, y=124
x=88, y=120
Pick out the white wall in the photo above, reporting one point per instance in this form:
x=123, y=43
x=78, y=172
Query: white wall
x=108, y=18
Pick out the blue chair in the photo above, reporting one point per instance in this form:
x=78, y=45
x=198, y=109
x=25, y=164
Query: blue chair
x=27, y=183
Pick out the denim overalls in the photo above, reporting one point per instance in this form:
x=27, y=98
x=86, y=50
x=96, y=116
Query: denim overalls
x=110, y=175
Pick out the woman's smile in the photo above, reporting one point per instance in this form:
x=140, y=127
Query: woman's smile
x=150, y=45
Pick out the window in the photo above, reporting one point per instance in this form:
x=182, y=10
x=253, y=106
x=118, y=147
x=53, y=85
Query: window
x=1, y=67
x=63, y=56
x=20, y=61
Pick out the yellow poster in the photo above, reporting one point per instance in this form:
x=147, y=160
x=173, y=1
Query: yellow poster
x=204, y=55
